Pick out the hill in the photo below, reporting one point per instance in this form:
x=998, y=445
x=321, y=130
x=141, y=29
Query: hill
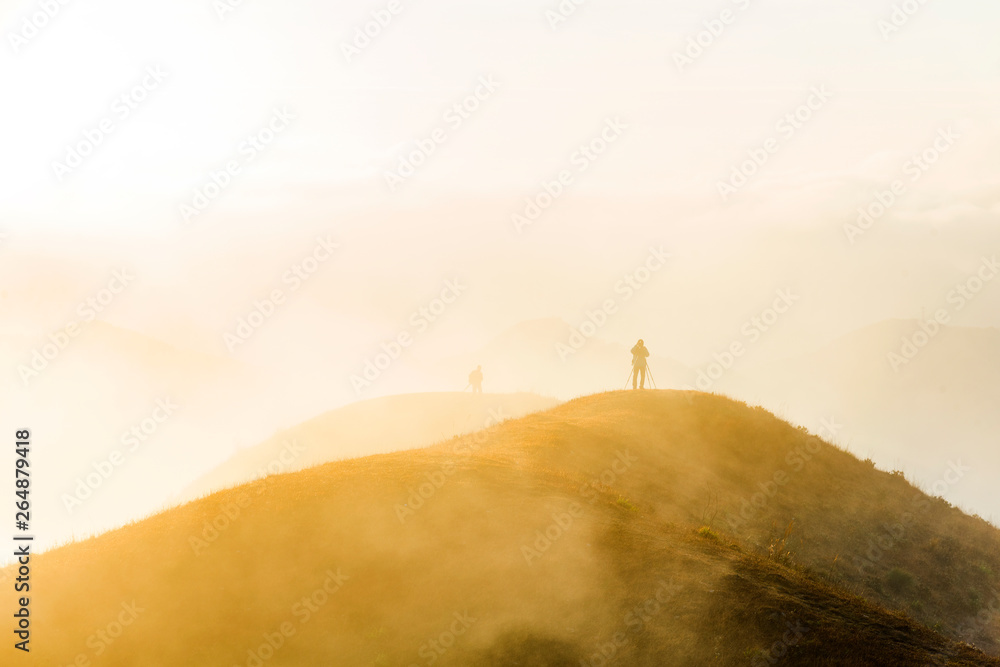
x=897, y=409
x=611, y=528
x=103, y=383
x=369, y=427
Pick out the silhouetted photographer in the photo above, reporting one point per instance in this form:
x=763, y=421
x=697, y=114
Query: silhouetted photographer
x=476, y=380
x=639, y=364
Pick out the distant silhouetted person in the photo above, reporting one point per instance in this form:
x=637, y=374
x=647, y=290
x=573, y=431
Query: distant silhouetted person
x=639, y=354
x=476, y=380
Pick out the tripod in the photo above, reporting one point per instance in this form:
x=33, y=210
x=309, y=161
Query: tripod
x=649, y=372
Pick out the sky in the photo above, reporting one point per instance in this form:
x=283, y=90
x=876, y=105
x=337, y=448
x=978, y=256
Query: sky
x=688, y=127
x=220, y=143
x=224, y=73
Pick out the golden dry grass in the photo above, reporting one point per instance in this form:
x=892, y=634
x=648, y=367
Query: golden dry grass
x=622, y=483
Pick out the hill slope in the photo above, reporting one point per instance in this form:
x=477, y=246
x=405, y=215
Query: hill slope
x=944, y=397
x=564, y=538
x=369, y=427
x=105, y=382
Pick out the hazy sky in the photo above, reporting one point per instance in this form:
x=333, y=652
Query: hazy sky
x=869, y=99
x=687, y=129
x=825, y=105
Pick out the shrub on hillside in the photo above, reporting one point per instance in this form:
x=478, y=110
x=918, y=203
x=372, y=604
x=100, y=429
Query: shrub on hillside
x=899, y=581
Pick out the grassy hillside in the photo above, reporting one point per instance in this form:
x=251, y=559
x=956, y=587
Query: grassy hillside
x=945, y=397
x=374, y=426
x=595, y=533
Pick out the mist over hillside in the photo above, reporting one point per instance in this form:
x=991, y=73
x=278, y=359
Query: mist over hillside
x=315, y=320
x=365, y=428
x=622, y=526
x=899, y=395
x=899, y=417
